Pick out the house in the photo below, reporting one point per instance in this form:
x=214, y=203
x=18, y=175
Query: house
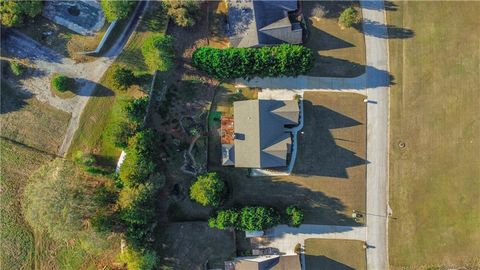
x=266, y=262
x=262, y=136
x=253, y=23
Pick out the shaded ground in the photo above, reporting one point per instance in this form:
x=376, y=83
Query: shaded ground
x=338, y=52
x=434, y=187
x=189, y=245
x=334, y=254
x=326, y=191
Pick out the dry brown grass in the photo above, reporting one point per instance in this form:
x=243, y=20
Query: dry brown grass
x=434, y=187
x=334, y=254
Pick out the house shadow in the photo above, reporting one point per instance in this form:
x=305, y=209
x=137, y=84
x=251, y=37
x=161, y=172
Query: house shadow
x=372, y=28
x=326, y=263
x=330, y=159
x=325, y=41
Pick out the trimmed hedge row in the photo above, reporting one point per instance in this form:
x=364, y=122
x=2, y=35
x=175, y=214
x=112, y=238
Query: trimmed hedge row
x=275, y=61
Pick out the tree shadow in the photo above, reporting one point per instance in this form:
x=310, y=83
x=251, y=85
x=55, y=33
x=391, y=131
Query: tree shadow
x=12, y=100
x=239, y=20
x=330, y=159
x=372, y=28
x=91, y=89
x=326, y=263
x=327, y=66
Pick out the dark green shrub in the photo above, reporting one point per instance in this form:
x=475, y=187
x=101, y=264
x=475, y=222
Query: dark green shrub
x=123, y=78
x=16, y=68
x=136, y=109
x=117, y=9
x=225, y=219
x=295, y=216
x=139, y=260
x=208, y=189
x=121, y=132
x=61, y=83
x=349, y=17
x=274, y=61
x=158, y=52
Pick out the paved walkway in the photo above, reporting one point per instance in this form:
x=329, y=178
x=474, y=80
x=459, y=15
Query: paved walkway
x=285, y=238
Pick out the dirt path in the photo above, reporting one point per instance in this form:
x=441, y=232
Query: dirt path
x=44, y=62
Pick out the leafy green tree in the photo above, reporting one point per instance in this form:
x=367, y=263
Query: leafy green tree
x=61, y=83
x=208, y=189
x=117, y=9
x=138, y=260
x=13, y=13
x=121, y=132
x=136, y=109
x=140, y=161
x=349, y=17
x=185, y=13
x=258, y=218
x=16, y=68
x=295, y=215
x=272, y=61
x=60, y=199
x=158, y=52
x=123, y=78
x=225, y=219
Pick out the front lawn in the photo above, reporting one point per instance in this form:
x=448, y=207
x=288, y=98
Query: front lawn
x=338, y=52
x=335, y=254
x=434, y=110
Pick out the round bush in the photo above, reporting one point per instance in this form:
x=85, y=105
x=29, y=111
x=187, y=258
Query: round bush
x=208, y=190
x=16, y=68
x=61, y=83
x=349, y=17
x=123, y=78
x=295, y=216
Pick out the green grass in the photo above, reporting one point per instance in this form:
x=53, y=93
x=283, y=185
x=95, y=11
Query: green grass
x=434, y=187
x=334, y=254
x=103, y=109
x=17, y=163
x=338, y=52
x=26, y=120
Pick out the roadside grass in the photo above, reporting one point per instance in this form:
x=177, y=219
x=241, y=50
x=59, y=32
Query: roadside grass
x=434, y=187
x=26, y=120
x=103, y=111
x=328, y=180
x=18, y=162
x=188, y=245
x=334, y=254
x=338, y=52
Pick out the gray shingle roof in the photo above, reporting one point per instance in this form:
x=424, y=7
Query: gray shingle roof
x=261, y=137
x=261, y=22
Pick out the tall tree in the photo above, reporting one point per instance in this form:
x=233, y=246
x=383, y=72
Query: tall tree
x=13, y=13
x=117, y=9
x=185, y=13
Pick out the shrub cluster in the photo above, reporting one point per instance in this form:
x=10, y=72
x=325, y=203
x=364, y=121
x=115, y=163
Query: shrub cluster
x=16, y=68
x=133, y=113
x=208, y=189
x=157, y=50
x=247, y=219
x=275, y=61
x=123, y=78
x=13, y=13
x=184, y=13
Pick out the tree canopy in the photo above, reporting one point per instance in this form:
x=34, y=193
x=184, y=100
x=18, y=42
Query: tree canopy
x=117, y=9
x=185, y=13
x=208, y=189
x=255, y=218
x=158, y=52
x=13, y=13
x=123, y=78
x=274, y=61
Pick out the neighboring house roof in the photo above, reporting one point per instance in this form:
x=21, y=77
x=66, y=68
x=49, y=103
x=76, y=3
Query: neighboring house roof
x=260, y=22
x=269, y=262
x=261, y=138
